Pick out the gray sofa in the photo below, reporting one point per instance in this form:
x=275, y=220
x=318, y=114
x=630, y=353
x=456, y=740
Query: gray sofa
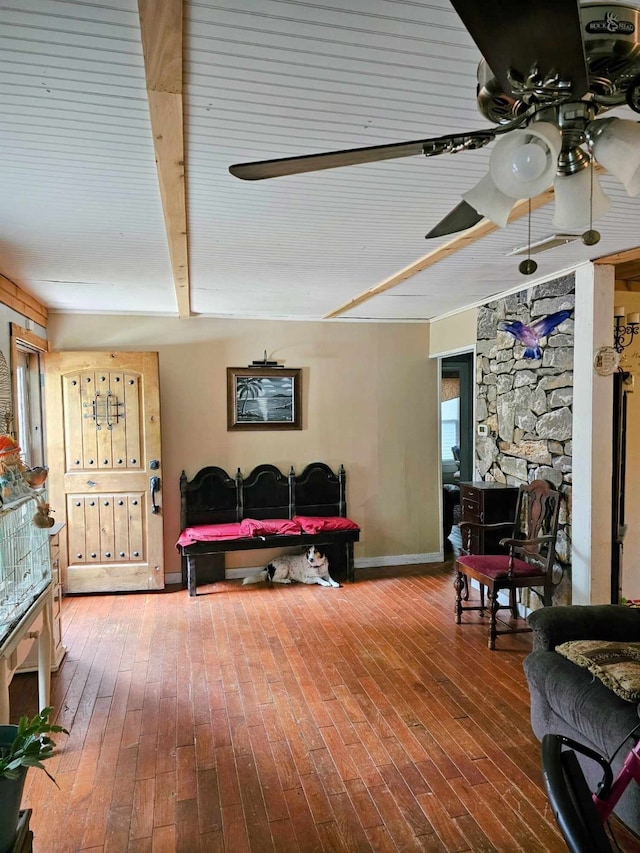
x=567, y=700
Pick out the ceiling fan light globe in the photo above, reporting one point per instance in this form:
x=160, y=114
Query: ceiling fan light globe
x=573, y=201
x=487, y=199
x=523, y=162
x=617, y=148
x=528, y=162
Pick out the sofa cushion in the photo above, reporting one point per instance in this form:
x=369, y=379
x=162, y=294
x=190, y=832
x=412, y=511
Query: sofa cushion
x=616, y=664
x=594, y=714
x=554, y=625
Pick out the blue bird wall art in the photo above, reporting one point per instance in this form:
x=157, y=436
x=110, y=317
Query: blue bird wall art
x=529, y=336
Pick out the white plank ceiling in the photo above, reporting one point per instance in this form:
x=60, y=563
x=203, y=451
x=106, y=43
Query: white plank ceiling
x=81, y=217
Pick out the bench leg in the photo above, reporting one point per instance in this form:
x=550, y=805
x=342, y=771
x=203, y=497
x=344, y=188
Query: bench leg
x=191, y=575
x=351, y=571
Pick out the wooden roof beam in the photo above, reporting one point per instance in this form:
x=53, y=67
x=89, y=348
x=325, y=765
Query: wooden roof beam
x=162, y=35
x=457, y=244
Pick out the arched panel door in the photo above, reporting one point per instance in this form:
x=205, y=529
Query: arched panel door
x=103, y=451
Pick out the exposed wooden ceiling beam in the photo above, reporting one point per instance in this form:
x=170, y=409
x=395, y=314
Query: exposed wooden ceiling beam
x=620, y=258
x=457, y=244
x=161, y=28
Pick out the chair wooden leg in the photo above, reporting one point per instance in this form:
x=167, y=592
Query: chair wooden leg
x=482, y=607
x=493, y=611
x=513, y=603
x=458, y=585
x=465, y=594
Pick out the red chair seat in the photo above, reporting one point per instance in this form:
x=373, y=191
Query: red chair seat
x=497, y=566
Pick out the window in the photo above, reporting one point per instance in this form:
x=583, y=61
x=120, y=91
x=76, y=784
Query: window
x=449, y=427
x=449, y=415
x=26, y=349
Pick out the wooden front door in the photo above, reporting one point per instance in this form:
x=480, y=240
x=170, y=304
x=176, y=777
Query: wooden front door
x=103, y=448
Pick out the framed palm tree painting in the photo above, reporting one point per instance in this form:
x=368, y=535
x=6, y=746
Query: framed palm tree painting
x=264, y=398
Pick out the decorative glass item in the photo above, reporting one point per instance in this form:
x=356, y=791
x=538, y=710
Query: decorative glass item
x=529, y=336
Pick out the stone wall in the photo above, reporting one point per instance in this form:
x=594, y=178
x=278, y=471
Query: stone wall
x=526, y=403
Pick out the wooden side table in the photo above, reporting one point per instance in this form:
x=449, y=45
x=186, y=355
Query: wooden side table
x=487, y=503
x=35, y=624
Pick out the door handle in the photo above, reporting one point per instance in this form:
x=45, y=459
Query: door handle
x=154, y=486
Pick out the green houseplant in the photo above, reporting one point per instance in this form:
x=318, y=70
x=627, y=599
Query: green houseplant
x=26, y=745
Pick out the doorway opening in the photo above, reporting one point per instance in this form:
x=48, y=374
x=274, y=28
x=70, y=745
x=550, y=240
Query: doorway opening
x=456, y=417
x=456, y=434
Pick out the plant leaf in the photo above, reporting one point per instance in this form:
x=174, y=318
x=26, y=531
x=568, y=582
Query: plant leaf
x=31, y=745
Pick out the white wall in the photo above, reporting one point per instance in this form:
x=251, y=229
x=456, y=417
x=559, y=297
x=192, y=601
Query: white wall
x=455, y=333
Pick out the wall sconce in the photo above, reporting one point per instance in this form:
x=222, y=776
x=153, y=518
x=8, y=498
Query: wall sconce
x=624, y=331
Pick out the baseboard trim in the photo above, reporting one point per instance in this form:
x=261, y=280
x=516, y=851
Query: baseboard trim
x=398, y=560
x=233, y=574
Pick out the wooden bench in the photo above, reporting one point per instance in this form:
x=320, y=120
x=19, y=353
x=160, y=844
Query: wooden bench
x=317, y=497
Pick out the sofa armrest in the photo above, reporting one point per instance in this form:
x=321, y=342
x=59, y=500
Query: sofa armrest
x=555, y=625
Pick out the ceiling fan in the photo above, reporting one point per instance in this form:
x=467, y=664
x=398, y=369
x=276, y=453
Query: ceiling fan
x=549, y=69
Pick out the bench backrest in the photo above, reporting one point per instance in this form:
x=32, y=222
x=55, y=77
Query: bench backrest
x=213, y=497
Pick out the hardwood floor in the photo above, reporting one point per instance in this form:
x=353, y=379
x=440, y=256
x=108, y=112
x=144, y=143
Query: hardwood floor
x=289, y=719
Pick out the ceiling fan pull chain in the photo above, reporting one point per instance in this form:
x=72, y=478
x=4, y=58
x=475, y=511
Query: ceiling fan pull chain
x=528, y=267
x=591, y=237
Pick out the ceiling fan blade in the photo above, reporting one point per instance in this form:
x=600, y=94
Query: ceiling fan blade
x=355, y=156
x=331, y=160
x=459, y=219
x=520, y=34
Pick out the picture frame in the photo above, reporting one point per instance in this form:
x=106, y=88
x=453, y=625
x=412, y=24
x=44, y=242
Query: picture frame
x=264, y=398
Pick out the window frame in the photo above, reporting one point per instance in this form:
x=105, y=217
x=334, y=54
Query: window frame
x=25, y=341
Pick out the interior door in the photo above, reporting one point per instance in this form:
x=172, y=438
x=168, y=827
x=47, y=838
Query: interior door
x=103, y=451
x=622, y=383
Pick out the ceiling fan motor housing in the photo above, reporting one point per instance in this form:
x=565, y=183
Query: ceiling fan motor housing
x=611, y=35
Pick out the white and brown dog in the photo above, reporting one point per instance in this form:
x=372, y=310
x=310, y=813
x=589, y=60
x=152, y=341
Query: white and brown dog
x=309, y=567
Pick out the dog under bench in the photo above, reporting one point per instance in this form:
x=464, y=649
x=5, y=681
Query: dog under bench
x=266, y=509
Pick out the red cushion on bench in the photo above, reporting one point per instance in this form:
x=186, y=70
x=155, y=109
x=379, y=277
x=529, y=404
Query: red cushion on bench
x=212, y=533
x=323, y=524
x=269, y=526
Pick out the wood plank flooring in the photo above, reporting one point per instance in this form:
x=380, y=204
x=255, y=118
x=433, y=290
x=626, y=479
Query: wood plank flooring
x=289, y=719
